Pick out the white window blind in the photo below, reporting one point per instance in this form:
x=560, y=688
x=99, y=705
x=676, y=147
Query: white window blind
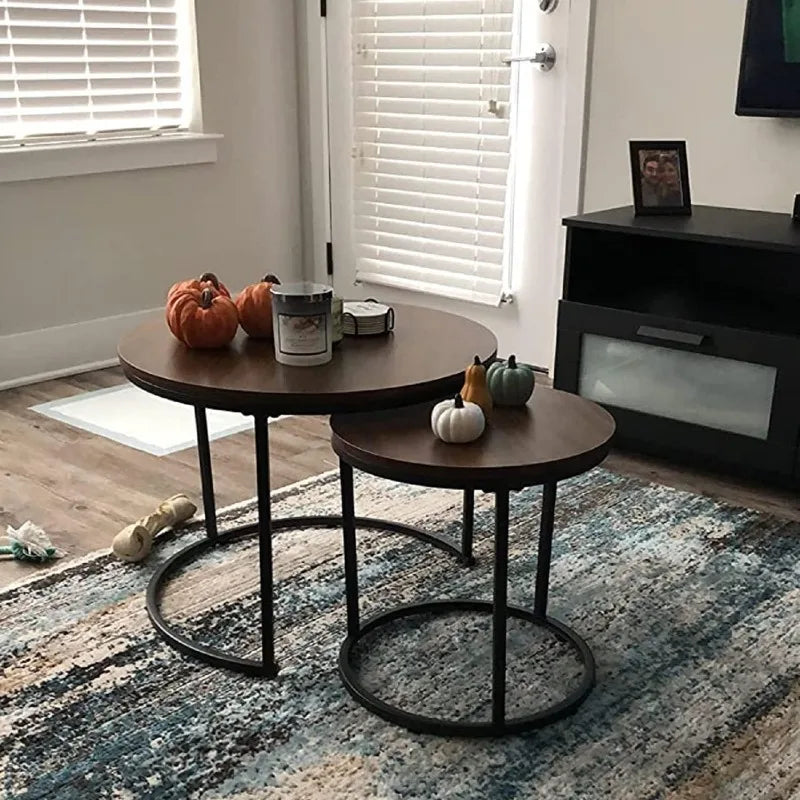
x=432, y=145
x=79, y=68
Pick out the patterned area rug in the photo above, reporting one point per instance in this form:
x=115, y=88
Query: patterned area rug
x=691, y=608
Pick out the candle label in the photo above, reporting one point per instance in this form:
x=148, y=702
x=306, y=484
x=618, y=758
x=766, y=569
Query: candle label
x=303, y=335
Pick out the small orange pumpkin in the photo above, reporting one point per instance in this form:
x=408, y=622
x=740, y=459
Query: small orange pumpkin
x=202, y=319
x=475, y=389
x=208, y=280
x=255, y=308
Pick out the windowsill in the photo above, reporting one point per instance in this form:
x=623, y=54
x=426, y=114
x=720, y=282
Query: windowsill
x=113, y=155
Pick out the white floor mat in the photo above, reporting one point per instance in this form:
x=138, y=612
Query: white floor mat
x=135, y=418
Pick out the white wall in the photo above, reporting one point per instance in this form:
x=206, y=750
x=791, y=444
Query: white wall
x=669, y=70
x=81, y=248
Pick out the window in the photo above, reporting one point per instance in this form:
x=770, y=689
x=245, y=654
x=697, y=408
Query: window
x=432, y=146
x=88, y=69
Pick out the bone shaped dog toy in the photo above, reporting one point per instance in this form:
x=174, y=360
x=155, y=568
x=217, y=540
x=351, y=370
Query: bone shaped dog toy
x=135, y=542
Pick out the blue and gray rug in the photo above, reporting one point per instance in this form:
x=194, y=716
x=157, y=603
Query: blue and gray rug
x=691, y=608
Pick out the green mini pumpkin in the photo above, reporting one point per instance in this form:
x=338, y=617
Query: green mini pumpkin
x=510, y=382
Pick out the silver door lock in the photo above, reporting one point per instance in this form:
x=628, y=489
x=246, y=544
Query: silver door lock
x=547, y=6
x=545, y=57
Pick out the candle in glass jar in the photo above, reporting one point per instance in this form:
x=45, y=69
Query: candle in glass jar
x=302, y=322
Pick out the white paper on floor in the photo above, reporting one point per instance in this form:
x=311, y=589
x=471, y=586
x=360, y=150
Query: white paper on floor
x=133, y=417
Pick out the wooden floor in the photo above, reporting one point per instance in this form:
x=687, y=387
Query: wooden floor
x=82, y=489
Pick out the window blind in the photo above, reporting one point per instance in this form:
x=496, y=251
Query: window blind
x=432, y=145
x=83, y=67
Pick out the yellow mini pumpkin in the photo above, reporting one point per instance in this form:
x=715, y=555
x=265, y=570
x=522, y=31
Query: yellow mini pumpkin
x=475, y=389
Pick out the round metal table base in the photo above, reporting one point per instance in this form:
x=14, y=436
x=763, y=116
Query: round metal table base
x=442, y=727
x=218, y=658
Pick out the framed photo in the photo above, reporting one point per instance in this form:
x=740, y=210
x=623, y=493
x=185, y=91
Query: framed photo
x=660, y=172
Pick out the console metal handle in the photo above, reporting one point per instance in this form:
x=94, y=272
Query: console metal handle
x=680, y=337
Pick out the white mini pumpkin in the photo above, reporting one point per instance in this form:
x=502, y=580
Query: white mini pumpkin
x=457, y=422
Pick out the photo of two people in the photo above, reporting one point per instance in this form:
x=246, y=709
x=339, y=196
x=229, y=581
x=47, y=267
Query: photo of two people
x=660, y=178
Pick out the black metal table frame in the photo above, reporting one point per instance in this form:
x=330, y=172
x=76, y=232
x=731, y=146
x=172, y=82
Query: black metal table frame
x=498, y=607
x=267, y=666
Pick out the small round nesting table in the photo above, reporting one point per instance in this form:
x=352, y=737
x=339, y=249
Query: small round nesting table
x=557, y=436
x=366, y=373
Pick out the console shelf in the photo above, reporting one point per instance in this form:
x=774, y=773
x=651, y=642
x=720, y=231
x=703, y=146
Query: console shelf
x=688, y=330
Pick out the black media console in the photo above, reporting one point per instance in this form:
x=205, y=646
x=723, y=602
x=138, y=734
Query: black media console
x=688, y=330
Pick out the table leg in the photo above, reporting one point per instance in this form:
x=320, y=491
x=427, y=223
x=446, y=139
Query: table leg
x=500, y=609
x=350, y=553
x=263, y=528
x=499, y=724
x=265, y=546
x=545, y=550
x=468, y=526
x=206, y=476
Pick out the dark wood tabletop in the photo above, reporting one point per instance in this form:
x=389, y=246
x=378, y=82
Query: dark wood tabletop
x=423, y=358
x=556, y=436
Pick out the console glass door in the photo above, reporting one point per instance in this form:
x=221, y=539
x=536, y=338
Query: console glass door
x=715, y=392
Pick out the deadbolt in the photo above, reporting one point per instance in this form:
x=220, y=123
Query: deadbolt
x=547, y=6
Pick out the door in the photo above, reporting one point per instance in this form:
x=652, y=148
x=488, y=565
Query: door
x=427, y=203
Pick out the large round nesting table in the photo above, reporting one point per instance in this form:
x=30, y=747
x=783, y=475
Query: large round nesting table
x=366, y=374
x=555, y=437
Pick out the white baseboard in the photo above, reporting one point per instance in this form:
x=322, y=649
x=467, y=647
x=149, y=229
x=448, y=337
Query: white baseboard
x=35, y=356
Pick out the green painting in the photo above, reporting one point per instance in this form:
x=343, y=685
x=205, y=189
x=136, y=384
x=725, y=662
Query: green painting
x=791, y=30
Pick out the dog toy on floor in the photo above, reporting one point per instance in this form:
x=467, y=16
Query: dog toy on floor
x=135, y=542
x=29, y=543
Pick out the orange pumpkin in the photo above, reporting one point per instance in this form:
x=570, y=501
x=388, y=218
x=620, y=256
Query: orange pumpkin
x=255, y=308
x=475, y=389
x=208, y=280
x=202, y=319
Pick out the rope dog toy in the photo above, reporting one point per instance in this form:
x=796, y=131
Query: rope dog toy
x=29, y=543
